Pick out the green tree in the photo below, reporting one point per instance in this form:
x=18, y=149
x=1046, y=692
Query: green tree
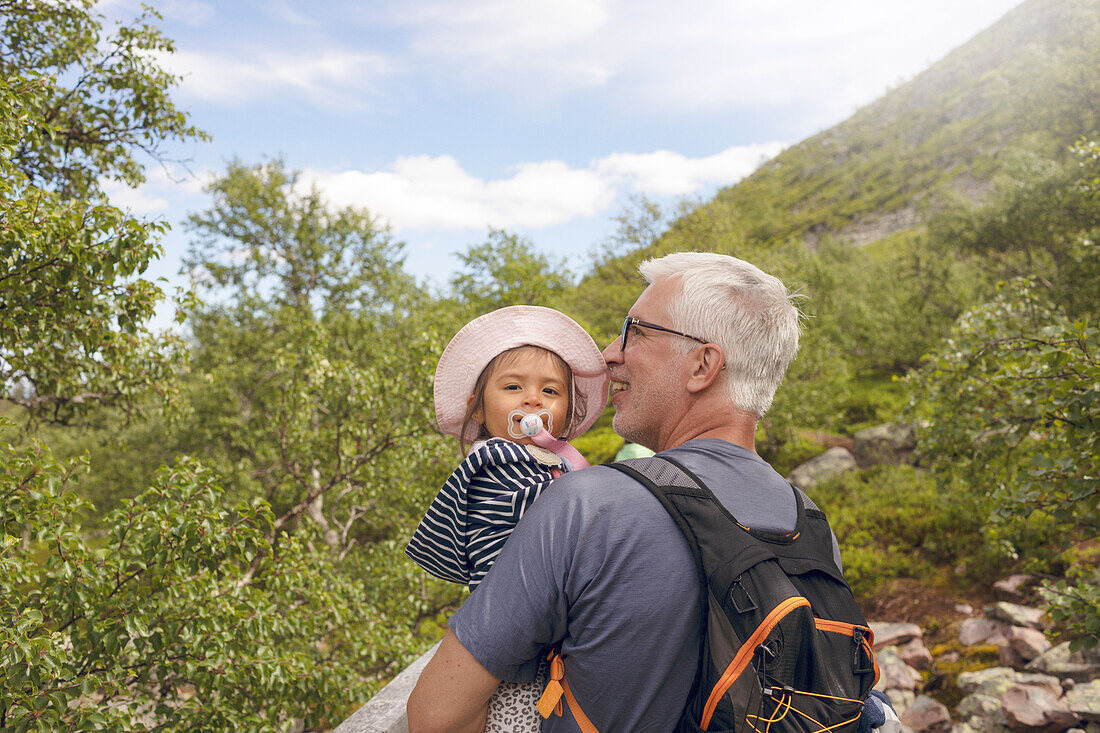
x=1040, y=223
x=310, y=387
x=507, y=270
x=181, y=618
x=1011, y=396
x=102, y=100
x=73, y=307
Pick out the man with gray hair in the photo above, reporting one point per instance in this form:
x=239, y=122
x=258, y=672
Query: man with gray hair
x=597, y=566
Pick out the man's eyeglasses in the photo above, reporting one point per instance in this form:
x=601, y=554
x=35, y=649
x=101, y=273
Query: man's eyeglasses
x=632, y=321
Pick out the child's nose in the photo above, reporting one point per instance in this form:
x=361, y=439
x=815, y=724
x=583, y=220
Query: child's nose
x=533, y=399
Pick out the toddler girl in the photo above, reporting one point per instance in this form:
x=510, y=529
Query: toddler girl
x=501, y=367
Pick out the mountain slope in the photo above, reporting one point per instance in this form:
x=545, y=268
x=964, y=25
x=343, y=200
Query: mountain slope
x=1030, y=82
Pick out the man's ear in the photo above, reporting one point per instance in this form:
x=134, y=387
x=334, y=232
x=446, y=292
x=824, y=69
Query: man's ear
x=708, y=364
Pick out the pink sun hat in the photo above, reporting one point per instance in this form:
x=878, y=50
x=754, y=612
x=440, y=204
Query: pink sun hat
x=482, y=339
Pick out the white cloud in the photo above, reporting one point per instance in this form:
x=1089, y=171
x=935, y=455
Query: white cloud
x=694, y=54
x=436, y=193
x=329, y=77
x=665, y=173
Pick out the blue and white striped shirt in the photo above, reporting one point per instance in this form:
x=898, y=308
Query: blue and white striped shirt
x=470, y=518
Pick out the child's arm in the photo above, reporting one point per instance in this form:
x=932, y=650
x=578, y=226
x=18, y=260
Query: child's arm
x=475, y=511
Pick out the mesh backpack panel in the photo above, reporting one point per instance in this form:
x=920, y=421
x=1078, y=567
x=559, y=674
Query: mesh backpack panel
x=786, y=648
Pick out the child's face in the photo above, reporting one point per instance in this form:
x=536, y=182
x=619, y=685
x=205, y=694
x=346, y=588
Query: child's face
x=529, y=380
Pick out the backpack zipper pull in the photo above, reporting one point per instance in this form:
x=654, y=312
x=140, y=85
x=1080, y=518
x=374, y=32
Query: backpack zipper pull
x=740, y=597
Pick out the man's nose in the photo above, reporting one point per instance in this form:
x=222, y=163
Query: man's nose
x=613, y=354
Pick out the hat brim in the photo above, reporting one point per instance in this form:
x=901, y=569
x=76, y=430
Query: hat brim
x=482, y=339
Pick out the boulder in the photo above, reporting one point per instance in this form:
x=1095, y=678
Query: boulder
x=894, y=674
x=926, y=715
x=916, y=655
x=889, y=443
x=1084, y=701
x=981, y=631
x=820, y=468
x=993, y=681
x=1016, y=615
x=985, y=707
x=1081, y=666
x=894, y=634
x=1032, y=709
x=1028, y=643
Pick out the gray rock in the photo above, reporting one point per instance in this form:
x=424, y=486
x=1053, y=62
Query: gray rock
x=1035, y=710
x=987, y=707
x=1013, y=586
x=1016, y=615
x=1060, y=661
x=823, y=467
x=964, y=608
x=889, y=443
x=985, y=681
x=927, y=716
x=978, y=725
x=981, y=631
x=1047, y=682
x=902, y=700
x=894, y=634
x=894, y=674
x=1084, y=701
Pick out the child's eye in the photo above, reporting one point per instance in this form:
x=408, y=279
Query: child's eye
x=551, y=391
x=512, y=387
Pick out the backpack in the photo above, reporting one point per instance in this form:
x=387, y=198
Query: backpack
x=785, y=647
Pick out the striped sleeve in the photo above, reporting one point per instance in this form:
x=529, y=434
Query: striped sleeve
x=468, y=522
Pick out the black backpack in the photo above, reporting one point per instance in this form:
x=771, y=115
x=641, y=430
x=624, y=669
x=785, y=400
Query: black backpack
x=786, y=648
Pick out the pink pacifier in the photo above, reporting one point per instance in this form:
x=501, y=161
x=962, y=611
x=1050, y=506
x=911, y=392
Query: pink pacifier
x=531, y=426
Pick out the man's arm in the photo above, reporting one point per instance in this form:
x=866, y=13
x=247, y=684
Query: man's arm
x=452, y=694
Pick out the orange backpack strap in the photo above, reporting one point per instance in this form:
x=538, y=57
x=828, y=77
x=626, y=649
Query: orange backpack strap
x=550, y=702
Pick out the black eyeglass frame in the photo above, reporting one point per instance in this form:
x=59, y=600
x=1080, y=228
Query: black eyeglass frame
x=632, y=321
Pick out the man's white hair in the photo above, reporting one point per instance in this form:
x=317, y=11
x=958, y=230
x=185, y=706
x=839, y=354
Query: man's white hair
x=746, y=311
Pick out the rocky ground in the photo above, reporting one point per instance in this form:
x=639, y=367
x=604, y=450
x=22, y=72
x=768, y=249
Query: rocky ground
x=987, y=668
x=964, y=663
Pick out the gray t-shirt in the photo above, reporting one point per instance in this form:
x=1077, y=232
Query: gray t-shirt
x=598, y=565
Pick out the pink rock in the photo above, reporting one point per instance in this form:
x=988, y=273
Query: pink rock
x=1028, y=643
x=894, y=674
x=1012, y=586
x=1034, y=710
x=1009, y=657
x=894, y=634
x=926, y=715
x=916, y=654
x=981, y=631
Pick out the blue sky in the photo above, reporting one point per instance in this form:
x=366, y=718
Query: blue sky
x=542, y=118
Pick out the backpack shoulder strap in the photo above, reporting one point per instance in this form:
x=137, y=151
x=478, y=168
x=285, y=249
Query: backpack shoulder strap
x=661, y=476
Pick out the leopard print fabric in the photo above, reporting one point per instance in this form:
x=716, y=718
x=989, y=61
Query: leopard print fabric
x=512, y=706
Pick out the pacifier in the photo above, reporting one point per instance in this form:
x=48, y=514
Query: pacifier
x=530, y=424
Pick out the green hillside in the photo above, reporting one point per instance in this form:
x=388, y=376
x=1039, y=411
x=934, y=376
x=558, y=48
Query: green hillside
x=1031, y=82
